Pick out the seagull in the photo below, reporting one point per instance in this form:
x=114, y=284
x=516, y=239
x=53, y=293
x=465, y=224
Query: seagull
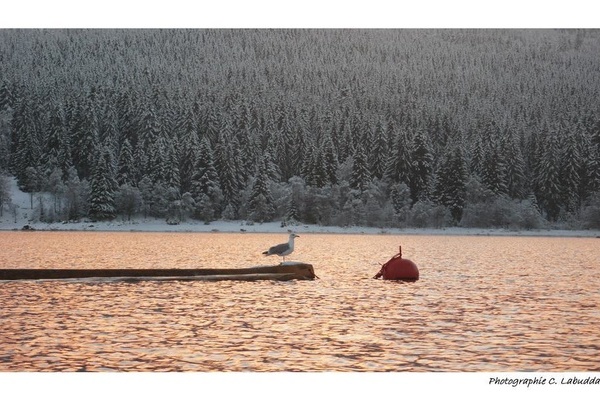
x=282, y=249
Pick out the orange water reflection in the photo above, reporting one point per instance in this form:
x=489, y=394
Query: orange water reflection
x=482, y=304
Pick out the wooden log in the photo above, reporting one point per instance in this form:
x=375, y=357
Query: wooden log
x=284, y=271
x=206, y=278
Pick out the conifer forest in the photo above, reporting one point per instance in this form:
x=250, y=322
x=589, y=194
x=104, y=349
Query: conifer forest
x=347, y=127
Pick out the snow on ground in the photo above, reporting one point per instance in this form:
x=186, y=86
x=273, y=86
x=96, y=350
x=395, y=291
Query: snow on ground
x=21, y=217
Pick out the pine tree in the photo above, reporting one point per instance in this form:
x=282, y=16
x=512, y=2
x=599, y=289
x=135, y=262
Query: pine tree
x=283, y=150
x=330, y=160
x=128, y=118
x=570, y=165
x=493, y=171
x=593, y=170
x=215, y=124
x=6, y=96
x=298, y=155
x=587, y=167
x=272, y=170
x=126, y=165
x=361, y=176
x=140, y=163
x=57, y=151
x=85, y=137
x=5, y=194
x=314, y=171
x=292, y=214
x=108, y=125
x=279, y=148
x=172, y=176
x=149, y=130
x=189, y=153
x=158, y=160
x=595, y=133
x=6, y=145
x=74, y=196
x=205, y=188
x=261, y=205
x=103, y=188
x=477, y=159
x=398, y=166
x=515, y=169
x=33, y=182
x=27, y=151
x=450, y=183
x=377, y=149
x=547, y=180
x=346, y=149
x=227, y=162
x=421, y=168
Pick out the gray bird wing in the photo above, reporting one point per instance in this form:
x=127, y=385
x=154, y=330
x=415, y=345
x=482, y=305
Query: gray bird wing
x=280, y=248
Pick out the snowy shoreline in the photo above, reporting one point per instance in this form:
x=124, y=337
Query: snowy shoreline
x=21, y=218
x=157, y=225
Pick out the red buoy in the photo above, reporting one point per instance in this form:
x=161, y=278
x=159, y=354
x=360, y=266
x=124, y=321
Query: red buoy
x=398, y=268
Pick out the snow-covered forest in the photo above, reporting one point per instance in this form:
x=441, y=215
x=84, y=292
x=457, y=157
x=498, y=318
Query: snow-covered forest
x=384, y=128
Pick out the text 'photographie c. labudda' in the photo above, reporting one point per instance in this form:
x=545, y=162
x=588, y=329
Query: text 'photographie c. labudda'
x=514, y=382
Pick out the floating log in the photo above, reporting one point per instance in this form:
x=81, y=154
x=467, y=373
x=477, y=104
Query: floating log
x=282, y=272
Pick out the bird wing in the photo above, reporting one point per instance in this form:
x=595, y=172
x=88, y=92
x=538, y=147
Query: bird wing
x=278, y=249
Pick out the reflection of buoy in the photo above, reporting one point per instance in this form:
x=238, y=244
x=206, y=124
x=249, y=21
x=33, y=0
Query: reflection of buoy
x=398, y=268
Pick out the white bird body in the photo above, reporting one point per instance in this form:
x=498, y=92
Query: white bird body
x=282, y=249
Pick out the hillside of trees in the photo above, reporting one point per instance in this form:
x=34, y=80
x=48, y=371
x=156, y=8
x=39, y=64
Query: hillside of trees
x=390, y=128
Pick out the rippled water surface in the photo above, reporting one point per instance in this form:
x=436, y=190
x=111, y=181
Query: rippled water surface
x=482, y=304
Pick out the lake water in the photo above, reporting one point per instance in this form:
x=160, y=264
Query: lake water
x=482, y=304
